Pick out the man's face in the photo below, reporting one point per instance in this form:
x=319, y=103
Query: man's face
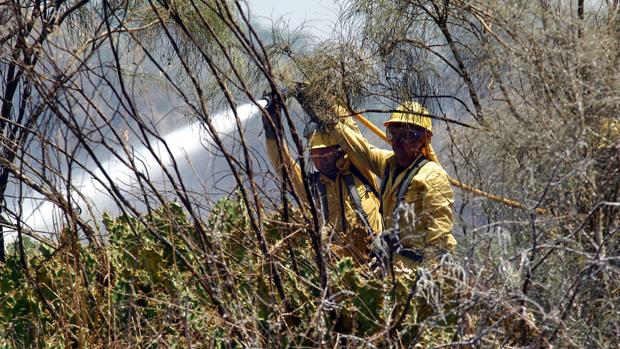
x=407, y=142
x=325, y=160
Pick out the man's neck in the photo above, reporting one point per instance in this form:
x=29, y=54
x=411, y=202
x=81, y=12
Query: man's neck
x=400, y=168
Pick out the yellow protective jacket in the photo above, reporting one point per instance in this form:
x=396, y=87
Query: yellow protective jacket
x=350, y=236
x=429, y=192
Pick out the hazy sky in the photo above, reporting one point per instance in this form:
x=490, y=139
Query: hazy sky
x=319, y=15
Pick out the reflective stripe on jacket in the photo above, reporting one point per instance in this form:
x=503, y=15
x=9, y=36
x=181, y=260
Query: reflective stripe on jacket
x=429, y=192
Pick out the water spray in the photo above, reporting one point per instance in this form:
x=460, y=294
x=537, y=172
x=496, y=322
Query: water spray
x=185, y=146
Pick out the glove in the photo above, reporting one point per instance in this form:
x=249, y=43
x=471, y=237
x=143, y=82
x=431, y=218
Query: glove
x=379, y=252
x=376, y=263
x=272, y=97
x=387, y=242
x=274, y=103
x=380, y=247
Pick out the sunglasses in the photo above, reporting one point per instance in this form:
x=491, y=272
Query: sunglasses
x=324, y=153
x=403, y=135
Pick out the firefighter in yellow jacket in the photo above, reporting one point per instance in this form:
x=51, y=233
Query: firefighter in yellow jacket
x=410, y=176
x=346, y=196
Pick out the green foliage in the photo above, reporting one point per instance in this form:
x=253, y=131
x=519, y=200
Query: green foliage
x=144, y=286
x=137, y=278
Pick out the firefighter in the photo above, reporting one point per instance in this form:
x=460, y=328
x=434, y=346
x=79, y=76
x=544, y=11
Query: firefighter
x=416, y=202
x=415, y=195
x=347, y=197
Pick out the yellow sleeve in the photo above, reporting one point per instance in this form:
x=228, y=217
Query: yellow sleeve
x=435, y=201
x=293, y=168
x=363, y=155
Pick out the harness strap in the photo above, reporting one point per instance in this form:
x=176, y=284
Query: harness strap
x=384, y=181
x=404, y=185
x=421, y=161
x=355, y=197
x=343, y=217
x=406, y=252
x=320, y=191
x=369, y=186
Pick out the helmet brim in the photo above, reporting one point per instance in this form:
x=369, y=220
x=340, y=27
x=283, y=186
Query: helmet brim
x=395, y=122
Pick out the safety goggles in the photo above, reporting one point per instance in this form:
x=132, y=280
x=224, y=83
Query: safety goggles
x=403, y=135
x=324, y=152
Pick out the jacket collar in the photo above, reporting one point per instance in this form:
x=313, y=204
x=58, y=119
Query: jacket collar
x=395, y=182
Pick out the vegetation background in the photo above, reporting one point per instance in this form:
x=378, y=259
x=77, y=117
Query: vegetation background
x=526, y=97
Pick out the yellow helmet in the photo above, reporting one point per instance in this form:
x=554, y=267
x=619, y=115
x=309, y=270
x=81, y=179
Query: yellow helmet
x=320, y=139
x=323, y=138
x=409, y=113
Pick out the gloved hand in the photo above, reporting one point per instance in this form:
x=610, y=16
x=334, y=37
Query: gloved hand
x=378, y=246
x=273, y=99
x=387, y=243
x=380, y=250
x=376, y=261
x=274, y=103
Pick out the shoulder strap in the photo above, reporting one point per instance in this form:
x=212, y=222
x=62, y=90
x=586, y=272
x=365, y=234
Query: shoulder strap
x=319, y=191
x=405, y=183
x=359, y=209
x=384, y=181
x=369, y=186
